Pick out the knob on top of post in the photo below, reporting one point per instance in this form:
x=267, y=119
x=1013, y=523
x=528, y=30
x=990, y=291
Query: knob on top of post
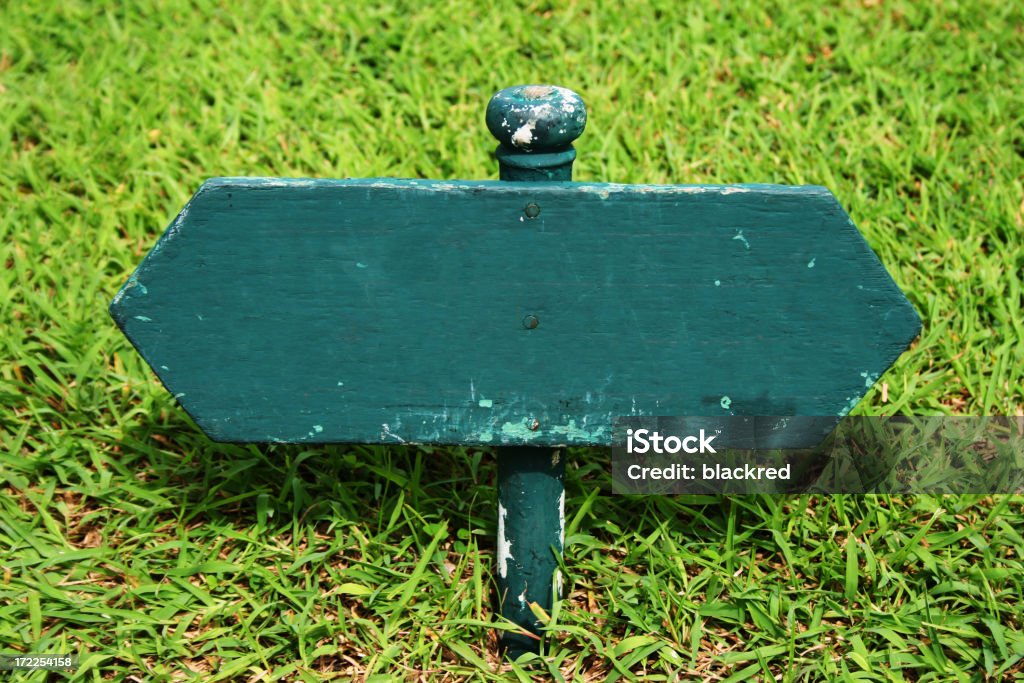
x=536, y=118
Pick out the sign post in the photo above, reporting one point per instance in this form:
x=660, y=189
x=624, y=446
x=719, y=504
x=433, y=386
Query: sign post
x=523, y=314
x=535, y=126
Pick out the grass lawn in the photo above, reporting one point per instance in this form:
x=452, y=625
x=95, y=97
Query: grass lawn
x=129, y=538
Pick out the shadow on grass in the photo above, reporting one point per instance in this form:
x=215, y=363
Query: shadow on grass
x=236, y=485
x=244, y=485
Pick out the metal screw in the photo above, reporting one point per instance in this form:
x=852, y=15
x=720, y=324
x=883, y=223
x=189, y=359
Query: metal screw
x=532, y=210
x=530, y=322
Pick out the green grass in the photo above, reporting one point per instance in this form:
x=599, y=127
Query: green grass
x=127, y=537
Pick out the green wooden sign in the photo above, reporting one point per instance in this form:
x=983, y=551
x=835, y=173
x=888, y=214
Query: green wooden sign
x=513, y=314
x=411, y=311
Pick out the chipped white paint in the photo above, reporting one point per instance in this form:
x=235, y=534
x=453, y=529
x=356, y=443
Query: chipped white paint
x=522, y=596
x=523, y=137
x=555, y=457
x=486, y=403
x=504, y=545
x=852, y=403
x=523, y=431
x=561, y=519
x=739, y=236
x=178, y=222
x=386, y=432
x=718, y=283
x=561, y=542
x=131, y=284
x=571, y=431
x=475, y=186
x=535, y=92
x=810, y=264
x=260, y=181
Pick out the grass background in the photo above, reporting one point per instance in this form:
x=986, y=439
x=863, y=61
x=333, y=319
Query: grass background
x=127, y=537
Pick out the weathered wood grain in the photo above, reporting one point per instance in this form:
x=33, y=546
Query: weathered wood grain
x=397, y=311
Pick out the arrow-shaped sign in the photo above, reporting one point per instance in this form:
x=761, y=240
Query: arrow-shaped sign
x=506, y=313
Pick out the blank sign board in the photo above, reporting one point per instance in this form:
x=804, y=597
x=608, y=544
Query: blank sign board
x=407, y=311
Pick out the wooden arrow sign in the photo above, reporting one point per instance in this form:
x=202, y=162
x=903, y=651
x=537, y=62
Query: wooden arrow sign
x=516, y=314
x=406, y=311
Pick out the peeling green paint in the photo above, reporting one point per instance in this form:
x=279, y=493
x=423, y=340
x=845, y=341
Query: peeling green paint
x=572, y=432
x=522, y=430
x=852, y=403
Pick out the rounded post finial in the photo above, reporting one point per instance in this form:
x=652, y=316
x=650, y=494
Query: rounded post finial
x=536, y=125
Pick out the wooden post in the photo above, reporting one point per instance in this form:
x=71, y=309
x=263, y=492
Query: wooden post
x=531, y=531
x=535, y=126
